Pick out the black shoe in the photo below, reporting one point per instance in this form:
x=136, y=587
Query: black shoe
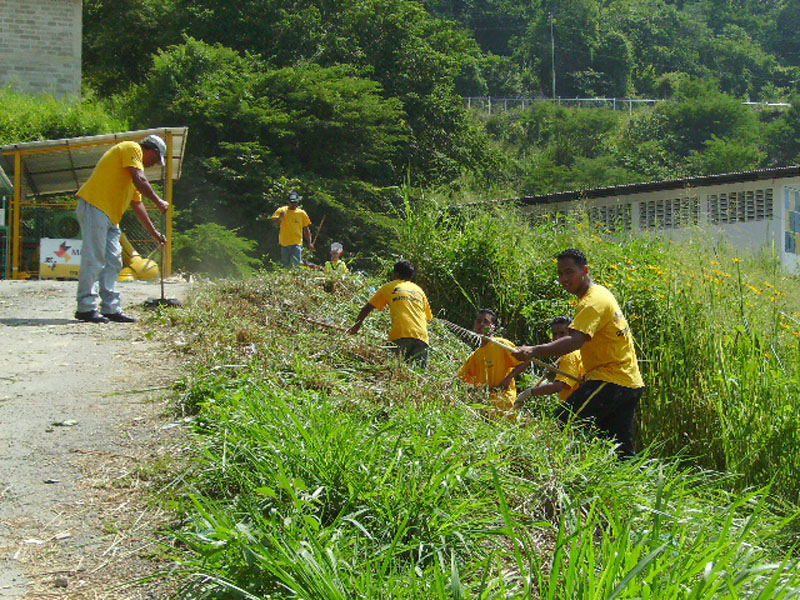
x=90, y=316
x=119, y=317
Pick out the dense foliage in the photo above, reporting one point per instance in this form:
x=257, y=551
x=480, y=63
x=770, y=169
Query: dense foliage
x=347, y=100
x=328, y=470
x=718, y=338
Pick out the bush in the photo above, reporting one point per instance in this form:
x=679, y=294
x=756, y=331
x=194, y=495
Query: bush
x=213, y=250
x=28, y=118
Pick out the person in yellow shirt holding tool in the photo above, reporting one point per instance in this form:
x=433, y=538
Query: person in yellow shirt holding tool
x=614, y=385
x=409, y=311
x=569, y=364
x=492, y=365
x=294, y=223
x=117, y=181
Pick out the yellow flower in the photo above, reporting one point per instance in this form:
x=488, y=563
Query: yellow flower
x=768, y=284
x=714, y=262
x=753, y=288
x=736, y=259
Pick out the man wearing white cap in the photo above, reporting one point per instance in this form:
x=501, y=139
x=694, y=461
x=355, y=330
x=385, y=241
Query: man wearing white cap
x=118, y=180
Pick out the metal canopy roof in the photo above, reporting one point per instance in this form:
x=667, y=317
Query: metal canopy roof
x=62, y=166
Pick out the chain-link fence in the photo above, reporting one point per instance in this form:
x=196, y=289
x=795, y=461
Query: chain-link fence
x=54, y=217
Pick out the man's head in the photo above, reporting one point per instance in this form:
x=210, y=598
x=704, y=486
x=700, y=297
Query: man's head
x=486, y=321
x=336, y=251
x=560, y=327
x=154, y=150
x=403, y=269
x=294, y=199
x=573, y=271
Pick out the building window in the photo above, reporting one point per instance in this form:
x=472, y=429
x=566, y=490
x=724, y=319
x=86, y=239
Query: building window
x=613, y=218
x=740, y=207
x=669, y=213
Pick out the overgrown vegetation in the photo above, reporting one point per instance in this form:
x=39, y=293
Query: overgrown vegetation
x=717, y=334
x=327, y=469
x=344, y=102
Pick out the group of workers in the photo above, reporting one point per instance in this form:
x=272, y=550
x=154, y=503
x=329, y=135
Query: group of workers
x=596, y=374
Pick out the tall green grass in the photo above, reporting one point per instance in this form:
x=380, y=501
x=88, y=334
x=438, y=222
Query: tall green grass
x=717, y=334
x=326, y=469
x=26, y=117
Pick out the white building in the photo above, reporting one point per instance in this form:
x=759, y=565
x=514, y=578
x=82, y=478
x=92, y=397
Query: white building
x=40, y=46
x=750, y=210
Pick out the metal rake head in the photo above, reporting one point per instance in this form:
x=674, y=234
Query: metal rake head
x=465, y=334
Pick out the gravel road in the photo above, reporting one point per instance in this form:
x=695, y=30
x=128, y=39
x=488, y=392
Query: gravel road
x=75, y=430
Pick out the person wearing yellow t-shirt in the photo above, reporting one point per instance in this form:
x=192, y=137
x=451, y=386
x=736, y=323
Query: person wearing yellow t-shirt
x=569, y=363
x=613, y=384
x=117, y=181
x=491, y=365
x=409, y=311
x=336, y=266
x=293, y=223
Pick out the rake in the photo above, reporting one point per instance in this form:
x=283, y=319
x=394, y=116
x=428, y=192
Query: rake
x=476, y=339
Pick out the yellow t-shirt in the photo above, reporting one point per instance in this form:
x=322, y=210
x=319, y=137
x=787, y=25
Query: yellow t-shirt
x=570, y=363
x=110, y=187
x=291, y=233
x=408, y=308
x=609, y=355
x=489, y=365
x=338, y=267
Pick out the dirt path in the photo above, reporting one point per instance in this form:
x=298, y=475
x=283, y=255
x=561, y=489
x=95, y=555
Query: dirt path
x=78, y=442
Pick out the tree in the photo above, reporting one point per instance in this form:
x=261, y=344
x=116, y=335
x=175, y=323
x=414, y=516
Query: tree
x=120, y=38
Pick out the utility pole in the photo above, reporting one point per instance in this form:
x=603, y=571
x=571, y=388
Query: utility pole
x=552, y=54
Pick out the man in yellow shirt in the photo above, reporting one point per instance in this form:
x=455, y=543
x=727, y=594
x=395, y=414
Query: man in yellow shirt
x=294, y=223
x=118, y=180
x=491, y=365
x=409, y=311
x=599, y=329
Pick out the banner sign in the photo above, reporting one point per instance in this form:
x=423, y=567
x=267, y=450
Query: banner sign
x=59, y=258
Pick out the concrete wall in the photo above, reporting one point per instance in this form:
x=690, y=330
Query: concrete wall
x=748, y=215
x=40, y=45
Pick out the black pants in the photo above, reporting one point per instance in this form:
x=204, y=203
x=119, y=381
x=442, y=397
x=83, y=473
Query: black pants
x=610, y=407
x=412, y=350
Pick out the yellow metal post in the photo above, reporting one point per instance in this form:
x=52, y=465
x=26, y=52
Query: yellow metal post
x=16, y=232
x=168, y=187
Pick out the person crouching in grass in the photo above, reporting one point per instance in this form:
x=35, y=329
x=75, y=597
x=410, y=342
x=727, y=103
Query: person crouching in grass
x=493, y=366
x=570, y=363
x=409, y=311
x=614, y=385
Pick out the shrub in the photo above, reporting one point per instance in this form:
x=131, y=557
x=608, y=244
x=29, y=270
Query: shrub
x=213, y=250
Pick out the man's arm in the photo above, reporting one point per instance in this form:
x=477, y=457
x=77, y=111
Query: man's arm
x=307, y=233
x=558, y=347
x=518, y=370
x=141, y=213
x=548, y=388
x=368, y=308
x=141, y=183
